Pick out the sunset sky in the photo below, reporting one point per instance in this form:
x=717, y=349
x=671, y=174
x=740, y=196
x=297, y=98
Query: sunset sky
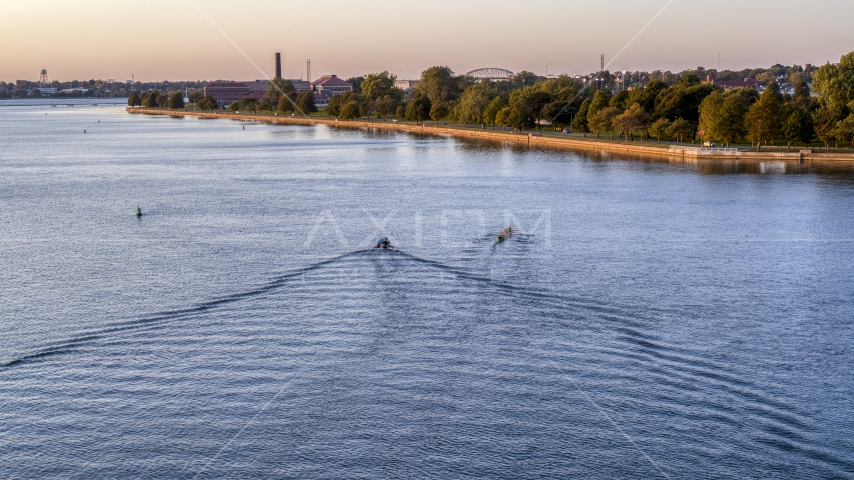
x=171, y=39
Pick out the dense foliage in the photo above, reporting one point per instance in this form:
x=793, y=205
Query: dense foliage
x=796, y=105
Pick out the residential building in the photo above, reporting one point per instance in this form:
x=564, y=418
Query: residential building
x=406, y=85
x=321, y=99
x=331, y=85
x=746, y=83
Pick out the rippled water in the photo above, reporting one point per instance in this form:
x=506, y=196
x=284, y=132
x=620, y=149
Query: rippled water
x=648, y=320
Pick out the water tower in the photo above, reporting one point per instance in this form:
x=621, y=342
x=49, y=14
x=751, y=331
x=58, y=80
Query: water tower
x=43, y=78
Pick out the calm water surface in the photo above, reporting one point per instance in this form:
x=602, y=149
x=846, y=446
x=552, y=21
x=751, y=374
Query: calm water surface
x=649, y=320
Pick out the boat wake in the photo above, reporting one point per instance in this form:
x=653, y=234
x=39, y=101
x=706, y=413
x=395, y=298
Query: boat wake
x=89, y=336
x=609, y=337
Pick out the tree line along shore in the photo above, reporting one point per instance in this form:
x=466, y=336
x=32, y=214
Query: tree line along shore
x=816, y=109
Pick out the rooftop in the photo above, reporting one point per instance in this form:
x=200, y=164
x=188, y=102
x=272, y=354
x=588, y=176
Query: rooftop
x=331, y=81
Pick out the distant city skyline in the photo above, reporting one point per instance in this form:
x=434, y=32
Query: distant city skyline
x=172, y=40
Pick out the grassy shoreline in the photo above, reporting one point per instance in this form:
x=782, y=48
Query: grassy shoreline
x=530, y=138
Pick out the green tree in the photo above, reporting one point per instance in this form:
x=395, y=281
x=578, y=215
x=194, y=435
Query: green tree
x=357, y=83
x=579, y=123
x=195, y=95
x=796, y=78
x=660, y=128
x=234, y=107
x=599, y=102
x=418, y=109
x=133, y=99
x=535, y=102
x=333, y=108
x=248, y=104
x=287, y=102
x=161, y=100
x=763, y=120
x=802, y=94
x=525, y=79
x=455, y=112
x=475, y=100
x=559, y=113
x=688, y=79
x=492, y=110
x=337, y=102
x=175, y=101
x=349, y=110
x=825, y=120
x=400, y=112
x=620, y=100
x=681, y=128
x=439, y=111
x=767, y=77
x=150, y=99
x=503, y=117
x=383, y=106
x=833, y=84
x=711, y=114
x=439, y=84
x=378, y=85
x=844, y=130
x=562, y=88
x=305, y=102
x=632, y=120
x=277, y=88
x=682, y=101
x=366, y=109
x=648, y=95
x=603, y=121
x=521, y=116
x=799, y=127
x=736, y=105
x=207, y=103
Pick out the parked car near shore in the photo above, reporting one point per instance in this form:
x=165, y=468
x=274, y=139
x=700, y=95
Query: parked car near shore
x=710, y=144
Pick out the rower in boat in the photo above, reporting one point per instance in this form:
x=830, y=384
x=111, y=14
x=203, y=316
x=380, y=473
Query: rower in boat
x=384, y=243
x=505, y=233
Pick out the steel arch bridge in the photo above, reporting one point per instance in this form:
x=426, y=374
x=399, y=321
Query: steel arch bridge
x=491, y=74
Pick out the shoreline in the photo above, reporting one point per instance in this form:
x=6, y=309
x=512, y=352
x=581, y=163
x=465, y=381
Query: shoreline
x=683, y=152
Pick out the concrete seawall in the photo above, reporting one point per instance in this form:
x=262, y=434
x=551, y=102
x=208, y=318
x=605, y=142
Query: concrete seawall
x=529, y=139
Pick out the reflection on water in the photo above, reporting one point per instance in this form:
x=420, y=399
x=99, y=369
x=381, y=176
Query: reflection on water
x=645, y=313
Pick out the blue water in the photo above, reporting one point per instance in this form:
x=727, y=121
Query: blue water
x=648, y=319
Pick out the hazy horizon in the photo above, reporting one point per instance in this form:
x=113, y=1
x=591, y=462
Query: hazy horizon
x=173, y=40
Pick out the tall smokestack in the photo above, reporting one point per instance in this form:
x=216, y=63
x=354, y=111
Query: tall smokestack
x=278, y=65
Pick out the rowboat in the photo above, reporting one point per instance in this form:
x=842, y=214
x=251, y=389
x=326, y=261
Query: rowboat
x=505, y=233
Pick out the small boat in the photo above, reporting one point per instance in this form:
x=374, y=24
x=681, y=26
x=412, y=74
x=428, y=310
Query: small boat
x=384, y=243
x=505, y=233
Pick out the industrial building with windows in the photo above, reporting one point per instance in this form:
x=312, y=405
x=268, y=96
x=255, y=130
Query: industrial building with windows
x=324, y=88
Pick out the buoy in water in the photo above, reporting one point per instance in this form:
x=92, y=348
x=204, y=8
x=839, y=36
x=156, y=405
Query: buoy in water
x=138, y=212
x=244, y=127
